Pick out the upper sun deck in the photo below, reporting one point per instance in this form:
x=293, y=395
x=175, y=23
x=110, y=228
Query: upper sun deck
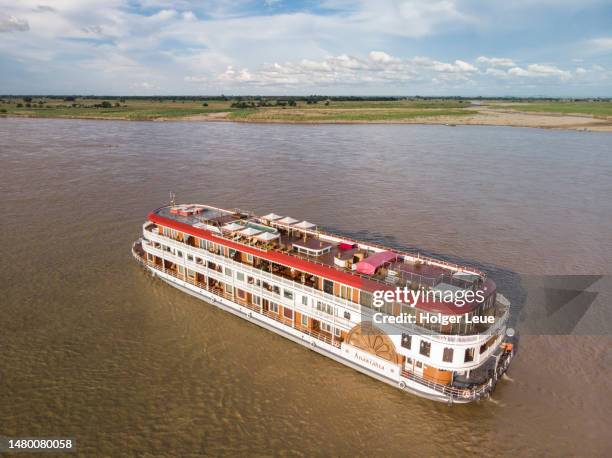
x=375, y=265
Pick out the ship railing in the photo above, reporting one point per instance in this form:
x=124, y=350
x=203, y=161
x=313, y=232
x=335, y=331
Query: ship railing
x=322, y=295
x=324, y=337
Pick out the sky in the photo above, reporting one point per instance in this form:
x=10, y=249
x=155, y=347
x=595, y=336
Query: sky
x=558, y=48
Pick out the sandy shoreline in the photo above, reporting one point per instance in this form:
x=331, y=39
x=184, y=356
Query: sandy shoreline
x=482, y=116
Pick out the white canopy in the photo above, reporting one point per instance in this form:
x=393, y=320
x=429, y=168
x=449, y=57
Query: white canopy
x=232, y=227
x=249, y=232
x=287, y=220
x=304, y=225
x=271, y=216
x=267, y=236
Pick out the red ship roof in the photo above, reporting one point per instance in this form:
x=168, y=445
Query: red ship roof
x=274, y=256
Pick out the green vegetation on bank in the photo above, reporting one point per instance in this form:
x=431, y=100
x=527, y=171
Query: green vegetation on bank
x=290, y=109
x=285, y=108
x=137, y=109
x=599, y=109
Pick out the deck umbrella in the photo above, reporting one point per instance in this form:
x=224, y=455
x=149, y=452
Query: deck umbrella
x=288, y=220
x=304, y=225
x=271, y=217
x=267, y=236
x=232, y=227
x=249, y=232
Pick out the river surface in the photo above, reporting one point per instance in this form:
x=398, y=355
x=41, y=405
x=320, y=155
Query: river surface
x=93, y=347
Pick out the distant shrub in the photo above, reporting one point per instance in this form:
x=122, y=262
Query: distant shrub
x=204, y=104
x=2, y=110
x=19, y=105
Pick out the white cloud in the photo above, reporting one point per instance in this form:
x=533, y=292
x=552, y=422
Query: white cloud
x=496, y=61
x=383, y=57
x=378, y=68
x=603, y=44
x=9, y=23
x=539, y=71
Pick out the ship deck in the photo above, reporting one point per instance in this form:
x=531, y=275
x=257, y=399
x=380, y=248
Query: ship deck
x=400, y=272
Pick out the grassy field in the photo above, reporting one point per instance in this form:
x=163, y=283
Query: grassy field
x=148, y=109
x=341, y=114
x=599, y=109
x=151, y=109
x=290, y=110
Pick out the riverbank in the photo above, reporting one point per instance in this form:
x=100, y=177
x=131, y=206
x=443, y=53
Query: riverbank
x=582, y=116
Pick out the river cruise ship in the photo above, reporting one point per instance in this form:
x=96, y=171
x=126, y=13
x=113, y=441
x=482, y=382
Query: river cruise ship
x=323, y=290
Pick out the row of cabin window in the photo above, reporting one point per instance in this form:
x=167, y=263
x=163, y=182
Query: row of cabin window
x=274, y=307
x=288, y=313
x=447, y=353
x=346, y=292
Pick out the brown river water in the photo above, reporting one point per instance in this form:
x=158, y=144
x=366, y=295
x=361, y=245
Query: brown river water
x=94, y=348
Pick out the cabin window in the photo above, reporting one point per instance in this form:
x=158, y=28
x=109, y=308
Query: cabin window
x=419, y=364
x=406, y=341
x=345, y=292
x=288, y=294
x=326, y=308
x=447, y=355
x=202, y=243
x=326, y=327
x=179, y=253
x=189, y=258
x=181, y=269
x=229, y=289
x=256, y=300
x=337, y=332
x=304, y=320
x=469, y=355
x=347, y=315
x=304, y=300
x=365, y=299
x=273, y=307
x=228, y=271
x=425, y=348
x=288, y=313
x=249, y=258
x=408, y=361
x=240, y=293
x=239, y=276
x=328, y=286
